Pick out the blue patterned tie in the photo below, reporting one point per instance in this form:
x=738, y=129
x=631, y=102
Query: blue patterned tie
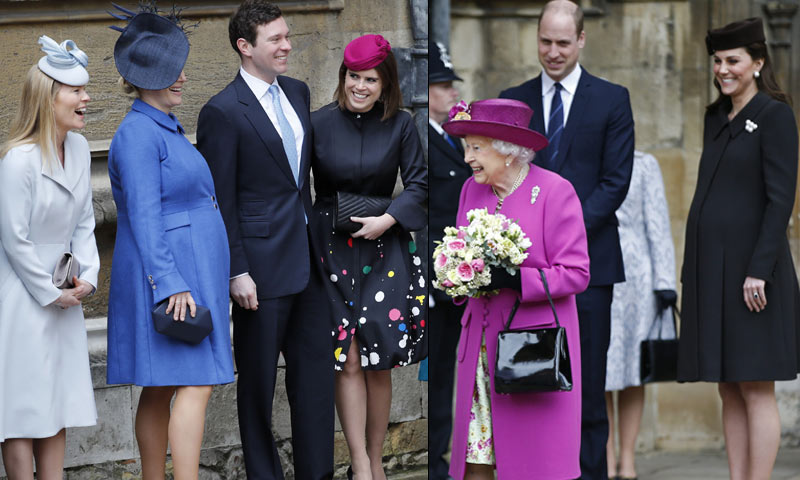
x=287, y=133
x=555, y=126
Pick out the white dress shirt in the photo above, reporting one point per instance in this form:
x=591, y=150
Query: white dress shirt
x=569, y=84
x=260, y=90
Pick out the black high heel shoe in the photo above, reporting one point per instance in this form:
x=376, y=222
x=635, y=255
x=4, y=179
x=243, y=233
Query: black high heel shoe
x=349, y=472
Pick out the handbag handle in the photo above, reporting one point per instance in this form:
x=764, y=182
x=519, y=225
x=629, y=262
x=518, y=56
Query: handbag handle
x=549, y=299
x=659, y=319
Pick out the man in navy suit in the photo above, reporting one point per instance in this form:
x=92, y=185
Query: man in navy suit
x=589, y=124
x=256, y=136
x=448, y=172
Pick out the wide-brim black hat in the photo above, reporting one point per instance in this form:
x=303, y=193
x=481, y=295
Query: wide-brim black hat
x=440, y=69
x=151, y=52
x=736, y=34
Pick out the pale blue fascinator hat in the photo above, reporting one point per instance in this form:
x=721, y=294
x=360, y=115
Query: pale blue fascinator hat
x=65, y=63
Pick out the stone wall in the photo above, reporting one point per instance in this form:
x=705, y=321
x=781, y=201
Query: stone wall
x=320, y=29
x=656, y=49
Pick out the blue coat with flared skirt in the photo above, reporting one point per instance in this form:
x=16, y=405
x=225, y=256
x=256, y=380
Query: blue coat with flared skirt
x=170, y=239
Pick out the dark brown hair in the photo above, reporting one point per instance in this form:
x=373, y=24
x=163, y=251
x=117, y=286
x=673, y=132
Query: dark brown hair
x=766, y=81
x=390, y=87
x=248, y=17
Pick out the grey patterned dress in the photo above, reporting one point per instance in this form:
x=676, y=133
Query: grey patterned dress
x=649, y=258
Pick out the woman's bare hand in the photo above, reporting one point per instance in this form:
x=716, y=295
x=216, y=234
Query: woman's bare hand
x=373, y=227
x=179, y=303
x=754, y=296
x=67, y=299
x=82, y=288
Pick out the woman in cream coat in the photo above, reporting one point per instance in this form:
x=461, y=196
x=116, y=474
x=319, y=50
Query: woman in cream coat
x=45, y=210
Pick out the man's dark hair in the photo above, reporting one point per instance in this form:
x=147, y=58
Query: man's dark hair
x=247, y=18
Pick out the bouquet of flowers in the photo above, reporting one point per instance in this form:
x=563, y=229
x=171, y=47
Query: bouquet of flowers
x=464, y=259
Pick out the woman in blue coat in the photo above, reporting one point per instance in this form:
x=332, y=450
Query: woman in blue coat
x=170, y=246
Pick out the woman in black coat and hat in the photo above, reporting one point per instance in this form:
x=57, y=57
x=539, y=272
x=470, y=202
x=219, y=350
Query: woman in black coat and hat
x=740, y=293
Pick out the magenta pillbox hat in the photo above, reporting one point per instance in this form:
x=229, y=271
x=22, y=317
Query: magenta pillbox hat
x=365, y=52
x=500, y=118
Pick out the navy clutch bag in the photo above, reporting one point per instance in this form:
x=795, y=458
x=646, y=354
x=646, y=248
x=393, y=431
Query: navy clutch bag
x=192, y=330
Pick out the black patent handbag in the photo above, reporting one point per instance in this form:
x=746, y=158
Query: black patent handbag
x=346, y=205
x=533, y=360
x=659, y=357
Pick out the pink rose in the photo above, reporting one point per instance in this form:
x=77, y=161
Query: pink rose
x=457, y=245
x=465, y=272
x=478, y=265
x=447, y=283
x=461, y=234
x=458, y=108
x=441, y=260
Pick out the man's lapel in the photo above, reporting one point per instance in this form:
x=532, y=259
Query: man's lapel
x=576, y=112
x=258, y=118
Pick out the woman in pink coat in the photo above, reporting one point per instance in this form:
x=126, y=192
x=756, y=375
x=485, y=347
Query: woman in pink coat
x=522, y=435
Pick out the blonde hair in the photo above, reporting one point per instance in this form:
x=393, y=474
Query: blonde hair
x=35, y=122
x=129, y=88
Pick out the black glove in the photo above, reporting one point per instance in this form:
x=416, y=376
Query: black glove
x=502, y=279
x=665, y=299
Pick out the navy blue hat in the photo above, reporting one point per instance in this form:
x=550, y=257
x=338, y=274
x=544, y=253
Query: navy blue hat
x=439, y=67
x=151, y=52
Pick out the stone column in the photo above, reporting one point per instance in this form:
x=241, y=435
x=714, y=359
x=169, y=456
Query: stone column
x=440, y=22
x=779, y=18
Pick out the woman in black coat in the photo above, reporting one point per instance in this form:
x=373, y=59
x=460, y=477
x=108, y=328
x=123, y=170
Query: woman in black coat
x=373, y=277
x=740, y=295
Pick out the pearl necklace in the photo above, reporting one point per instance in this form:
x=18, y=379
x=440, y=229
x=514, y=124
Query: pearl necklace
x=517, y=182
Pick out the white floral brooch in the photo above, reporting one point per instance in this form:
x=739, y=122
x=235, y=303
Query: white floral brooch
x=534, y=194
x=750, y=125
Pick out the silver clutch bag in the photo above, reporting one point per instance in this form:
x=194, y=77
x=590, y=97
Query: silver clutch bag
x=66, y=268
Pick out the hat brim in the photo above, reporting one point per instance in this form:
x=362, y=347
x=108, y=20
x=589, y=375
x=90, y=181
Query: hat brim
x=75, y=76
x=154, y=64
x=443, y=77
x=501, y=131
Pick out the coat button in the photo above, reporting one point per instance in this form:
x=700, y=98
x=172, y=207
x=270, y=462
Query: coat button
x=452, y=173
x=213, y=199
x=216, y=207
x=154, y=287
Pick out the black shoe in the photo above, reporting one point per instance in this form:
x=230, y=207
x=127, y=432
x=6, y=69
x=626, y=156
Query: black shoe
x=349, y=472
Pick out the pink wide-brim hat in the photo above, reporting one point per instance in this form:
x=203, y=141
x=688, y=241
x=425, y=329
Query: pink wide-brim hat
x=366, y=52
x=499, y=118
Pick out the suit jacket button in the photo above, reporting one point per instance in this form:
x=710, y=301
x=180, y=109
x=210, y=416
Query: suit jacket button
x=216, y=207
x=452, y=173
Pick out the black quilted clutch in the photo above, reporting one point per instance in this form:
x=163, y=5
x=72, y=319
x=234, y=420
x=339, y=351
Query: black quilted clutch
x=348, y=205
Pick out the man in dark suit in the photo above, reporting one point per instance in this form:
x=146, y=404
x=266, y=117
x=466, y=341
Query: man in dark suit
x=256, y=136
x=589, y=124
x=448, y=172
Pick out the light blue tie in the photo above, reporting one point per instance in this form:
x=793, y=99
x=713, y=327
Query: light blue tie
x=286, y=132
